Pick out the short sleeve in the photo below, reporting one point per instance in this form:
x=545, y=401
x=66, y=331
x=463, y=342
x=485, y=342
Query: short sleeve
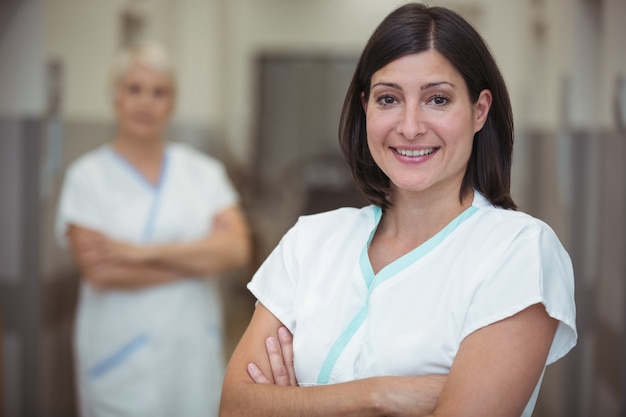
x=528, y=268
x=274, y=283
x=224, y=195
x=215, y=183
x=77, y=203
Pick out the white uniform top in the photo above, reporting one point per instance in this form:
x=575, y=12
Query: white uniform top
x=156, y=351
x=411, y=317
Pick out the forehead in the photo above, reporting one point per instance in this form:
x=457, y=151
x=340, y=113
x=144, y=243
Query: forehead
x=419, y=68
x=140, y=73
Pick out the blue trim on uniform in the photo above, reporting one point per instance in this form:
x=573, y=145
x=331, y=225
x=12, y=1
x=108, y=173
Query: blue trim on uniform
x=156, y=189
x=118, y=356
x=410, y=258
x=345, y=337
x=373, y=280
x=341, y=343
x=148, y=229
x=128, y=166
x=364, y=260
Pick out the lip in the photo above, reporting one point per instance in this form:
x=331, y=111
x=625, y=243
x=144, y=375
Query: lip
x=414, y=154
x=143, y=118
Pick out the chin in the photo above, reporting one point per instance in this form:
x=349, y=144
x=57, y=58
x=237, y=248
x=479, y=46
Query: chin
x=145, y=134
x=411, y=183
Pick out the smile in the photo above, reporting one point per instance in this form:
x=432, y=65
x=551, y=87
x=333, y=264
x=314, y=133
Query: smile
x=415, y=152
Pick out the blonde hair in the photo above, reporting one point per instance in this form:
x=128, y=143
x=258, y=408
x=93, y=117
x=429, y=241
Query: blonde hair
x=146, y=53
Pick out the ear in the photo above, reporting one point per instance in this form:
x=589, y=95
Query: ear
x=364, y=101
x=481, y=109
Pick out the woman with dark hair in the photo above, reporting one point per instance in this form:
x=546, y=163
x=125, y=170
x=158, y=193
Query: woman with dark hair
x=437, y=299
x=446, y=32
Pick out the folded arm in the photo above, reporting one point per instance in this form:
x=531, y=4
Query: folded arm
x=106, y=262
x=498, y=366
x=494, y=374
x=227, y=246
x=262, y=394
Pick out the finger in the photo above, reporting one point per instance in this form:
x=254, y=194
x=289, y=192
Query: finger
x=96, y=278
x=257, y=375
x=286, y=346
x=279, y=370
x=92, y=257
x=88, y=237
x=89, y=258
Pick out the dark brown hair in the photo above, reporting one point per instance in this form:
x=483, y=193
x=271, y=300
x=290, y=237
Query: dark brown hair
x=415, y=28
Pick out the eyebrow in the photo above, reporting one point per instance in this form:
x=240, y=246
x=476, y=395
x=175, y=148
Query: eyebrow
x=424, y=87
x=437, y=84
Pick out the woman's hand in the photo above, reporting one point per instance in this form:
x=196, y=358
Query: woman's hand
x=116, y=251
x=87, y=245
x=260, y=381
x=407, y=396
x=280, y=355
x=94, y=249
x=106, y=263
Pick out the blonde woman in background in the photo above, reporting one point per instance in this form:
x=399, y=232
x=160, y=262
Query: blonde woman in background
x=151, y=224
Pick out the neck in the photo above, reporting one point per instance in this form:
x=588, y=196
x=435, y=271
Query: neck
x=139, y=150
x=416, y=217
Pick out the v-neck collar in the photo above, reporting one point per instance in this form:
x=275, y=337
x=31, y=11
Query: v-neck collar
x=135, y=173
x=155, y=189
x=372, y=280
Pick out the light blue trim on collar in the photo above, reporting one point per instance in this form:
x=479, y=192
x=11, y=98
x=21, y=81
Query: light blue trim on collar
x=156, y=189
x=410, y=258
x=373, y=280
x=345, y=337
x=364, y=260
x=148, y=229
x=130, y=168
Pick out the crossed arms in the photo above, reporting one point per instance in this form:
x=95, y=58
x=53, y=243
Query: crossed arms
x=494, y=373
x=108, y=263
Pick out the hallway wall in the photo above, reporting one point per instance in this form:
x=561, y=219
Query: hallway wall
x=562, y=60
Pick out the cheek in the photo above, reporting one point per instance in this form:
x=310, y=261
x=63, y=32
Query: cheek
x=462, y=144
x=457, y=134
x=378, y=127
x=121, y=108
x=165, y=108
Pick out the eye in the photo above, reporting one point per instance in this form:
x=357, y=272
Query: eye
x=386, y=100
x=134, y=89
x=439, y=100
x=160, y=92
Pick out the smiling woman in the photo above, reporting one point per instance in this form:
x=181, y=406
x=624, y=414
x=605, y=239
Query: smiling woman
x=439, y=298
x=421, y=123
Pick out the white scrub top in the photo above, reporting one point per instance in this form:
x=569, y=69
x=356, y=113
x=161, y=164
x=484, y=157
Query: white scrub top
x=410, y=318
x=156, y=351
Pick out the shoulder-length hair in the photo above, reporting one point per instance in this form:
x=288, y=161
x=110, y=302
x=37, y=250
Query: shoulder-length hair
x=415, y=28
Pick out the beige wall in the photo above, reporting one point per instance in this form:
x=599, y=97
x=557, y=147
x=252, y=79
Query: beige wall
x=537, y=44
x=84, y=35
x=215, y=43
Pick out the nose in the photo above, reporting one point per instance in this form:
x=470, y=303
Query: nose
x=412, y=123
x=145, y=99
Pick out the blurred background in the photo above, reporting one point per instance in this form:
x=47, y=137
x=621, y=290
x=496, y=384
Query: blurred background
x=261, y=84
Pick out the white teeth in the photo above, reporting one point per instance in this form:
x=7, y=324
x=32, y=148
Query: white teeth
x=420, y=152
